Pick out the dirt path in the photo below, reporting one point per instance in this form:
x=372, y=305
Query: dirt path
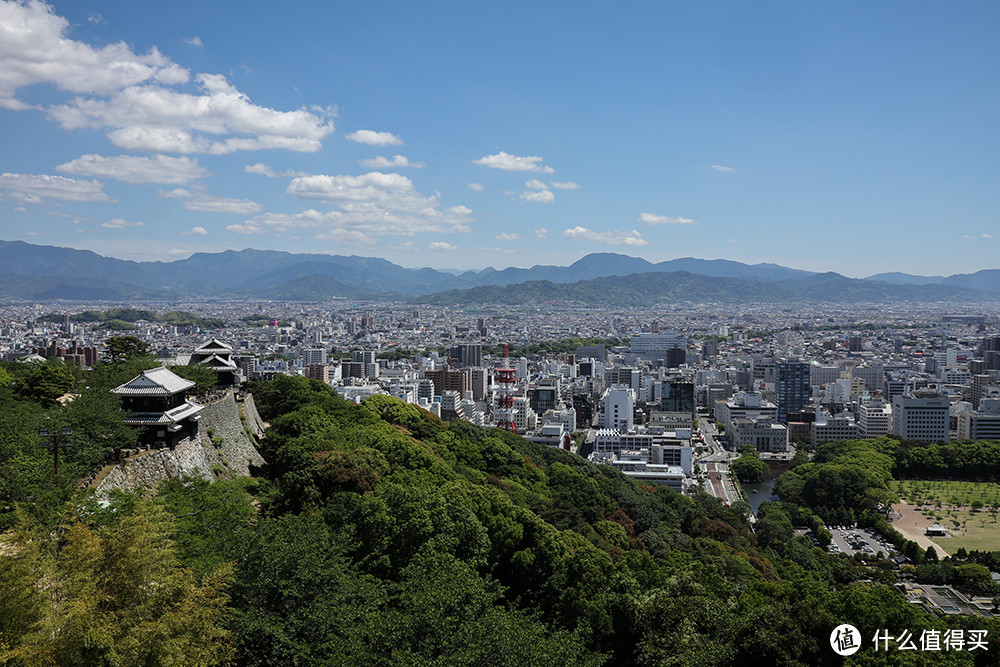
x=911, y=523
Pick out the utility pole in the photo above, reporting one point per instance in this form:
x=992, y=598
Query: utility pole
x=56, y=441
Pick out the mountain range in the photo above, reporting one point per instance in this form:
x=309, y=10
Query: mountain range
x=40, y=273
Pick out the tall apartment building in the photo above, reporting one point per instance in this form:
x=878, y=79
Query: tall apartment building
x=319, y=372
x=922, y=416
x=618, y=403
x=313, y=355
x=467, y=354
x=447, y=380
x=793, y=388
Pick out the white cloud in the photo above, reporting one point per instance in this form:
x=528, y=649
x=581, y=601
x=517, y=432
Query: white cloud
x=133, y=169
x=157, y=119
x=368, y=206
x=508, y=237
x=542, y=233
x=381, y=162
x=192, y=41
x=264, y=170
x=196, y=231
x=653, y=219
x=380, y=204
x=565, y=185
x=734, y=240
x=373, y=138
x=535, y=184
x=34, y=49
x=478, y=187
x=725, y=170
x=441, y=245
x=33, y=188
x=543, y=196
x=222, y=205
x=118, y=223
x=509, y=162
x=176, y=193
x=987, y=236
x=632, y=238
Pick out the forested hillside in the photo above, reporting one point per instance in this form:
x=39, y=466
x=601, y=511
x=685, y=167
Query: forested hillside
x=380, y=535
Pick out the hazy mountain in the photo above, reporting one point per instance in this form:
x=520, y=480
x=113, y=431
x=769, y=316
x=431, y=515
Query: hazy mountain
x=681, y=286
x=314, y=287
x=47, y=272
x=898, y=278
x=73, y=288
x=987, y=280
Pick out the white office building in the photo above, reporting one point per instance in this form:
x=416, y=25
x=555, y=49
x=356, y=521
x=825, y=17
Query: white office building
x=923, y=417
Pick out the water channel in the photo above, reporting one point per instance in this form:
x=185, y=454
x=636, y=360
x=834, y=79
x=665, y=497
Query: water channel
x=758, y=493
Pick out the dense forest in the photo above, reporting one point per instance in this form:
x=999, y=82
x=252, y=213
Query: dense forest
x=378, y=534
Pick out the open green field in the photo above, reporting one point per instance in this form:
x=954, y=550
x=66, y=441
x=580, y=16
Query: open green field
x=946, y=493
x=969, y=510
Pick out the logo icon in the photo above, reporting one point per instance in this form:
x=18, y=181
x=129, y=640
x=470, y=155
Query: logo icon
x=845, y=639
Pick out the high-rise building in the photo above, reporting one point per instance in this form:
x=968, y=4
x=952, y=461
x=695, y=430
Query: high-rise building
x=793, y=389
x=618, y=405
x=319, y=372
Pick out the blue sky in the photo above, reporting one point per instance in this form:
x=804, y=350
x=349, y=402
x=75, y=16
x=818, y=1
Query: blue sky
x=855, y=137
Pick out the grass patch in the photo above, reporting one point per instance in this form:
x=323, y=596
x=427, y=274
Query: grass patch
x=972, y=530
x=935, y=494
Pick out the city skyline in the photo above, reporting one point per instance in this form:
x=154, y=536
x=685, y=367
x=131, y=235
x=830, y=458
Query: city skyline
x=461, y=137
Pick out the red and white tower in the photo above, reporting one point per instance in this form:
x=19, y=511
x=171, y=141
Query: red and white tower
x=505, y=378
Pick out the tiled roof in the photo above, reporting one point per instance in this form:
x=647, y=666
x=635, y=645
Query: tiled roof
x=159, y=381
x=180, y=413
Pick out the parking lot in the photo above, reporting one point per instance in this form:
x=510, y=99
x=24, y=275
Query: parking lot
x=849, y=540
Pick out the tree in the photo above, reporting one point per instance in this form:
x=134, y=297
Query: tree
x=931, y=555
x=749, y=468
x=45, y=383
x=114, y=596
x=123, y=348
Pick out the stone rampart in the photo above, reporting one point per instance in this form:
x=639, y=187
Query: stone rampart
x=223, y=450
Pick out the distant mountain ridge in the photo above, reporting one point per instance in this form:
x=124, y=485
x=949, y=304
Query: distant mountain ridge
x=36, y=272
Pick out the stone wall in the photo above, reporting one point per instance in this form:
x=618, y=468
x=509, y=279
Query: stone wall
x=148, y=469
x=254, y=422
x=235, y=452
x=227, y=453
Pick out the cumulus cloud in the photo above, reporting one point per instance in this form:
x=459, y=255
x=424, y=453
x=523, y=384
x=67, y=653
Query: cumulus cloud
x=543, y=196
x=987, y=236
x=132, y=97
x=222, y=205
x=196, y=231
x=724, y=169
x=118, y=223
x=34, y=49
x=632, y=238
x=542, y=233
x=565, y=185
x=373, y=138
x=192, y=41
x=535, y=184
x=381, y=162
x=368, y=206
x=508, y=237
x=33, y=188
x=176, y=193
x=134, y=169
x=157, y=119
x=478, y=187
x=653, y=219
x=441, y=245
x=509, y=162
x=264, y=170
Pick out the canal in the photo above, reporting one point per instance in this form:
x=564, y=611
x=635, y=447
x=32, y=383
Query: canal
x=758, y=493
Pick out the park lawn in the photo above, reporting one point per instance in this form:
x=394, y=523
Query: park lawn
x=972, y=530
x=950, y=493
